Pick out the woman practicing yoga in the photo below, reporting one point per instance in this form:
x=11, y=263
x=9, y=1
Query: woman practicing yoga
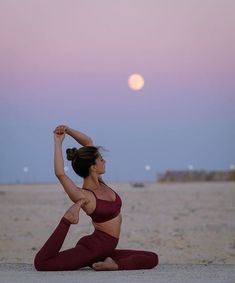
x=101, y=203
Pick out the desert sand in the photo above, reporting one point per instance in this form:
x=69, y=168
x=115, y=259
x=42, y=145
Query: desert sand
x=189, y=223
x=212, y=273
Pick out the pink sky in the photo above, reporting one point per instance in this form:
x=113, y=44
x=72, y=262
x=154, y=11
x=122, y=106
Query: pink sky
x=80, y=51
x=100, y=36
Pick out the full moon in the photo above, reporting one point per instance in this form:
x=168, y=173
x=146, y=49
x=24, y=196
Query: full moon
x=136, y=82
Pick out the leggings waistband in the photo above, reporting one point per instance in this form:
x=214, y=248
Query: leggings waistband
x=102, y=233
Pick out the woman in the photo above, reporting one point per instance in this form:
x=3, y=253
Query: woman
x=101, y=203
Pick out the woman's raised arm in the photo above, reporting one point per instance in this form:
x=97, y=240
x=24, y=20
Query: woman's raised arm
x=69, y=186
x=80, y=137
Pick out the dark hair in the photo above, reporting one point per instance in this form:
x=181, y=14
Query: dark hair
x=82, y=159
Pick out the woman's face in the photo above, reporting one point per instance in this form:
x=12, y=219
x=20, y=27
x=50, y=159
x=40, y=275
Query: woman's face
x=100, y=165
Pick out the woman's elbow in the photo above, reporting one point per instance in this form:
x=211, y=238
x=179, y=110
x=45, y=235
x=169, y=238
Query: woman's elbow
x=89, y=142
x=59, y=175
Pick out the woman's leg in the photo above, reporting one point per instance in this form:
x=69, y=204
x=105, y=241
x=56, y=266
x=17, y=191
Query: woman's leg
x=134, y=259
x=128, y=260
x=49, y=258
x=85, y=253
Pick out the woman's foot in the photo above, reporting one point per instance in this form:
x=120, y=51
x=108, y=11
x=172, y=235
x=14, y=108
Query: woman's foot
x=107, y=264
x=72, y=214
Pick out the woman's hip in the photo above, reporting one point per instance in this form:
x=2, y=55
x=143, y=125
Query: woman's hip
x=99, y=242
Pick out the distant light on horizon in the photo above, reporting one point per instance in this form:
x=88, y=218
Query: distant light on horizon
x=136, y=82
x=232, y=167
x=147, y=167
x=26, y=169
x=190, y=167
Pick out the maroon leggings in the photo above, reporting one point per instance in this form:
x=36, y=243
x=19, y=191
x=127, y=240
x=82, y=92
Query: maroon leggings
x=88, y=250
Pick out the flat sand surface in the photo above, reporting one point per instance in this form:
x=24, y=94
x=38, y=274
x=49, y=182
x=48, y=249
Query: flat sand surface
x=190, y=223
x=25, y=273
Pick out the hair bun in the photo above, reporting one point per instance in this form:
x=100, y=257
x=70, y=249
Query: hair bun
x=71, y=153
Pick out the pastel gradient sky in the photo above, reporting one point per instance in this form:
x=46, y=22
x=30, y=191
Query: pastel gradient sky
x=68, y=62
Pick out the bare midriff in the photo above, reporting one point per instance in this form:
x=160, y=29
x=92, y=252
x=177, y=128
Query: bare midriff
x=111, y=227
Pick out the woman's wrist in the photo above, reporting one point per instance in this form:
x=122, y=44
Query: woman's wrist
x=68, y=130
x=58, y=142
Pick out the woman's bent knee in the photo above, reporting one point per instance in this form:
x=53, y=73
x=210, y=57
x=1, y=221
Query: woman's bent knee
x=39, y=264
x=155, y=260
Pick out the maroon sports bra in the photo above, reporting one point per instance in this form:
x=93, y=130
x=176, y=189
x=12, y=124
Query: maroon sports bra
x=105, y=209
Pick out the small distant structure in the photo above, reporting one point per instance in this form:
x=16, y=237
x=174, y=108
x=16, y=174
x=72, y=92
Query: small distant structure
x=197, y=176
x=137, y=185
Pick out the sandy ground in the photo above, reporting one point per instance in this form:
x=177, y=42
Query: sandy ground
x=192, y=223
x=25, y=273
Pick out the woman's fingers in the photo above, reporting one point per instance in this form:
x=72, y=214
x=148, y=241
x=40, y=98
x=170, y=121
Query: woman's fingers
x=60, y=130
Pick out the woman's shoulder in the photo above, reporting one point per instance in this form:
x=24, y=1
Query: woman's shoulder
x=101, y=180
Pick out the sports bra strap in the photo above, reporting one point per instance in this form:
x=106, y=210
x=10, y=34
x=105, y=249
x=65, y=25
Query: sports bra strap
x=90, y=191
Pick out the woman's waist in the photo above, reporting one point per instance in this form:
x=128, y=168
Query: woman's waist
x=111, y=227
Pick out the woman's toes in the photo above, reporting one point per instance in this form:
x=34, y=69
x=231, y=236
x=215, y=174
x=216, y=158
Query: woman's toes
x=108, y=264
